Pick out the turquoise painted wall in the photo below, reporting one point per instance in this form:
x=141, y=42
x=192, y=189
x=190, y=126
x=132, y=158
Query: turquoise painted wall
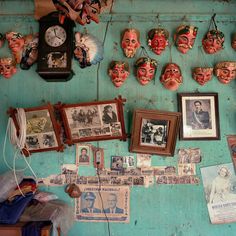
x=178, y=210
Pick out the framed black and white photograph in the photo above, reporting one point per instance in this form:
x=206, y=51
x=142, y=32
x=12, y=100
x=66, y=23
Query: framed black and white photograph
x=93, y=121
x=42, y=130
x=200, y=116
x=154, y=132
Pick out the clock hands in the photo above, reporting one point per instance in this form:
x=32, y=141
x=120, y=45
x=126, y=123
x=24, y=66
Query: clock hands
x=55, y=32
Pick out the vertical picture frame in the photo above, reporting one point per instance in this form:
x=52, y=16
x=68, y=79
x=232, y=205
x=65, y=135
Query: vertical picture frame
x=200, y=116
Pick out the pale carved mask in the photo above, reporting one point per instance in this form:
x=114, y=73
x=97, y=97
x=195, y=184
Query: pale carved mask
x=202, y=74
x=225, y=71
x=185, y=37
x=158, y=40
x=213, y=41
x=145, y=70
x=16, y=43
x=7, y=67
x=171, y=76
x=81, y=11
x=130, y=42
x=118, y=72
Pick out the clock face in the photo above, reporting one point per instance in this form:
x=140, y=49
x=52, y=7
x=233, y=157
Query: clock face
x=55, y=36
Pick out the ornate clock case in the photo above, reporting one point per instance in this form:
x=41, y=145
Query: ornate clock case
x=55, y=48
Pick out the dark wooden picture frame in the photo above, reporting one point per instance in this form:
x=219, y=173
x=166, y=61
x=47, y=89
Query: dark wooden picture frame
x=93, y=121
x=154, y=132
x=200, y=116
x=42, y=129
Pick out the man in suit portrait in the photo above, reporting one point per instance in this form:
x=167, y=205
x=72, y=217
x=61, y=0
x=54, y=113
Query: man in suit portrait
x=83, y=157
x=200, y=118
x=88, y=201
x=112, y=202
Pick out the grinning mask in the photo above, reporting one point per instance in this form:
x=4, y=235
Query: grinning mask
x=171, y=76
x=185, y=37
x=145, y=69
x=202, y=74
x=158, y=40
x=213, y=41
x=118, y=72
x=225, y=71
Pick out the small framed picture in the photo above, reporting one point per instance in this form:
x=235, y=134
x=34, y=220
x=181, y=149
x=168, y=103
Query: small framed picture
x=200, y=116
x=42, y=130
x=93, y=121
x=154, y=132
x=83, y=154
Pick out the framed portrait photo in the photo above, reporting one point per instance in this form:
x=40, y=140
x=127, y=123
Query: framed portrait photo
x=93, y=121
x=154, y=132
x=42, y=130
x=200, y=116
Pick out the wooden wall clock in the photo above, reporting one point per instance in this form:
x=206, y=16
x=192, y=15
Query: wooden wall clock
x=55, y=48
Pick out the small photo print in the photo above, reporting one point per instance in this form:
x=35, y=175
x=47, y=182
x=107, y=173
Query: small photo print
x=83, y=117
x=154, y=133
x=116, y=129
x=143, y=160
x=187, y=169
x=108, y=113
x=117, y=163
x=69, y=169
x=38, y=122
x=128, y=162
x=83, y=153
x=32, y=142
x=49, y=140
x=101, y=131
x=189, y=155
x=56, y=60
x=83, y=133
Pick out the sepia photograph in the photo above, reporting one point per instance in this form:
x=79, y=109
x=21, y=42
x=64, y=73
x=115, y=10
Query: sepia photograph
x=189, y=155
x=200, y=116
x=83, y=154
x=219, y=184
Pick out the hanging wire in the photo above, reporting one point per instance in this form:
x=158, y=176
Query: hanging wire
x=170, y=46
x=212, y=22
x=130, y=23
x=158, y=20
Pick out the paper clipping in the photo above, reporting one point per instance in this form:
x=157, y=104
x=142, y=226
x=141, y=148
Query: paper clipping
x=220, y=189
x=99, y=205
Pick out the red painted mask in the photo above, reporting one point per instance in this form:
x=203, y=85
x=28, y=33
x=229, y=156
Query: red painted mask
x=202, y=74
x=130, y=42
x=7, y=67
x=158, y=40
x=233, y=44
x=119, y=72
x=171, y=77
x=213, y=41
x=81, y=11
x=145, y=70
x=185, y=37
x=16, y=43
x=225, y=71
